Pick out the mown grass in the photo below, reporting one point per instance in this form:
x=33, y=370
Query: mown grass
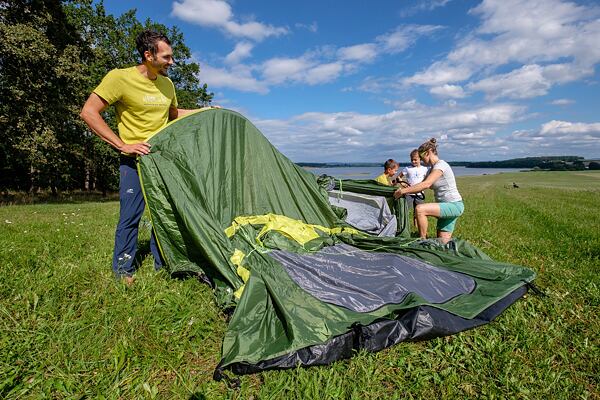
x=69, y=330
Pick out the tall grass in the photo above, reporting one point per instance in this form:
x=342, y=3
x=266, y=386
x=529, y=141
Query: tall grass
x=69, y=330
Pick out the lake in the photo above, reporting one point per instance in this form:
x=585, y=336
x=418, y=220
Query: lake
x=373, y=172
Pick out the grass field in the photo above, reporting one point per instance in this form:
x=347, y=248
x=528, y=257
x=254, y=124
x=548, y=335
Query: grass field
x=69, y=330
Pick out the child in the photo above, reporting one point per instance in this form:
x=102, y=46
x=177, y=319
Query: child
x=414, y=175
x=390, y=167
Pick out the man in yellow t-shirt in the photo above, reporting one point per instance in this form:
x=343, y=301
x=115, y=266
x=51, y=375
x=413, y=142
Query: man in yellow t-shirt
x=390, y=167
x=145, y=101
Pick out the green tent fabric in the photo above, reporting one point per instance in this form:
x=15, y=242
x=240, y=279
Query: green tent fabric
x=304, y=301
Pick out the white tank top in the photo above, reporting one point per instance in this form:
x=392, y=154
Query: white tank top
x=444, y=189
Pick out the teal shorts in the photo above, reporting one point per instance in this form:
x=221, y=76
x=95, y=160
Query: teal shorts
x=449, y=213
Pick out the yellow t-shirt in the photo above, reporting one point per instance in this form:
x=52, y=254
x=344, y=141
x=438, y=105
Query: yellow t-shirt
x=142, y=104
x=384, y=180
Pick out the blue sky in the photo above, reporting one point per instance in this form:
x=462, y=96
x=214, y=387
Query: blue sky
x=352, y=81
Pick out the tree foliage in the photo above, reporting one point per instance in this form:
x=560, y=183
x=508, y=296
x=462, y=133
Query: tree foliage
x=54, y=54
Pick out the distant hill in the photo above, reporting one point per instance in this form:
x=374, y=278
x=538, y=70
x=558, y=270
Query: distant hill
x=338, y=165
x=544, y=162
x=345, y=165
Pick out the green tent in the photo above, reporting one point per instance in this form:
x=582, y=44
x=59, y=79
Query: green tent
x=305, y=286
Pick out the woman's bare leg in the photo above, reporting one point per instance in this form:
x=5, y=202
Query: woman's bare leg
x=423, y=211
x=444, y=236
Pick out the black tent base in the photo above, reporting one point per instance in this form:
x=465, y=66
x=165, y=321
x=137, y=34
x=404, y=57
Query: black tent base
x=419, y=323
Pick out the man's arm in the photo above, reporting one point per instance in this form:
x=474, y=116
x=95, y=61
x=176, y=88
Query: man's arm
x=91, y=114
x=175, y=113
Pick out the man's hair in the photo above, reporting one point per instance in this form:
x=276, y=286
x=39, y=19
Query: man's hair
x=390, y=164
x=148, y=41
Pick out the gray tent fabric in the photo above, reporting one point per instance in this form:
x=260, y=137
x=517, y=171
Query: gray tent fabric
x=364, y=281
x=367, y=213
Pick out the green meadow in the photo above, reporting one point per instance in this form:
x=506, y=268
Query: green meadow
x=70, y=330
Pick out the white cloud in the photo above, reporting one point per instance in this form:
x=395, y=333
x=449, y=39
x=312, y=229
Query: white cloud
x=522, y=83
x=562, y=102
x=316, y=66
x=239, y=78
x=241, y=51
x=440, y=73
x=424, y=5
x=360, y=52
x=554, y=41
x=278, y=70
x=347, y=136
x=541, y=30
x=478, y=135
x=564, y=73
x=528, y=81
x=275, y=71
x=545, y=17
x=212, y=13
x=254, y=30
x=559, y=138
x=323, y=73
x=218, y=14
x=314, y=27
x=446, y=90
x=371, y=84
x=570, y=128
x=327, y=64
x=403, y=37
x=499, y=114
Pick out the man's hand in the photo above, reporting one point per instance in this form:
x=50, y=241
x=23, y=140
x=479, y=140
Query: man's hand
x=398, y=193
x=137, y=148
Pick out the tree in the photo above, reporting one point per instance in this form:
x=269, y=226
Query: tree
x=39, y=80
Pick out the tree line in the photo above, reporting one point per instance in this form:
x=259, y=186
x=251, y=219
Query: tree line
x=54, y=53
x=541, y=162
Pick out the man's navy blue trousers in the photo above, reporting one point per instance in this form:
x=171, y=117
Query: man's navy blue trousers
x=132, y=207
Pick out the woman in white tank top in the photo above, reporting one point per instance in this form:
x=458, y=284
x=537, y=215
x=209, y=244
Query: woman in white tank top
x=448, y=206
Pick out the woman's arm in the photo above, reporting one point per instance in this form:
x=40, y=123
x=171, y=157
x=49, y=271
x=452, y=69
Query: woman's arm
x=419, y=187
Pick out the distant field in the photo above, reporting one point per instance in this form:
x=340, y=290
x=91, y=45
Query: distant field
x=69, y=330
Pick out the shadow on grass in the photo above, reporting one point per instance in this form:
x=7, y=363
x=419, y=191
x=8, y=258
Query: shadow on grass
x=197, y=396
x=143, y=251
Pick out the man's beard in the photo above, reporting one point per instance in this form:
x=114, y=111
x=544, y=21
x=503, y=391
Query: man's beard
x=162, y=70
